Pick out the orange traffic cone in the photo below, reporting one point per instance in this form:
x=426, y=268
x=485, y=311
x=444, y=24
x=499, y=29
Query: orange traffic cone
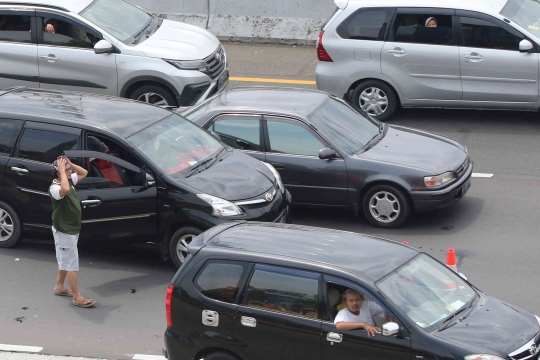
x=451, y=260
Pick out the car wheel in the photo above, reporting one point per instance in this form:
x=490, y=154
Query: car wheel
x=179, y=243
x=386, y=206
x=155, y=95
x=219, y=355
x=10, y=226
x=375, y=98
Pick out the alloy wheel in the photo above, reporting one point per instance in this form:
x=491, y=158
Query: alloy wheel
x=6, y=225
x=181, y=247
x=373, y=101
x=153, y=98
x=384, y=207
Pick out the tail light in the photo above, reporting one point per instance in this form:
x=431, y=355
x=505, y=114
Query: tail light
x=168, y=300
x=322, y=55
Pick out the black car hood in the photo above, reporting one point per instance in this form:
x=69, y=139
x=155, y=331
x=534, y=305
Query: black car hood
x=236, y=176
x=420, y=149
x=496, y=328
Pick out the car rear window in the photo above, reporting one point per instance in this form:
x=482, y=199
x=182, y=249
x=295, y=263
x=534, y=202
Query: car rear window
x=220, y=280
x=366, y=24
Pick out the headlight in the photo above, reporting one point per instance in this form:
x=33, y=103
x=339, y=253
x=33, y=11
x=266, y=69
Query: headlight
x=483, y=357
x=200, y=65
x=276, y=175
x=439, y=180
x=221, y=207
x=537, y=319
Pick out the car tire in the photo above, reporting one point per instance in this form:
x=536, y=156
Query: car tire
x=179, y=241
x=375, y=98
x=386, y=206
x=10, y=227
x=154, y=94
x=220, y=355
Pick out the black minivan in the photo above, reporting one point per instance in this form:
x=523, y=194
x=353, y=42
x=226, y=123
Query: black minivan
x=272, y=291
x=153, y=175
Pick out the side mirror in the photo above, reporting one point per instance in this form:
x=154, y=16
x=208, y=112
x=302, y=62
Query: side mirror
x=149, y=180
x=463, y=276
x=215, y=134
x=390, y=329
x=103, y=47
x=327, y=154
x=525, y=46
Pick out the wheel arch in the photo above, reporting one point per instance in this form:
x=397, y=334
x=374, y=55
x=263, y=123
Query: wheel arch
x=172, y=228
x=362, y=193
x=210, y=350
x=131, y=85
x=357, y=82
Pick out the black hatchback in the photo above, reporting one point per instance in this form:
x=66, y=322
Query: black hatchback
x=273, y=291
x=153, y=175
x=330, y=155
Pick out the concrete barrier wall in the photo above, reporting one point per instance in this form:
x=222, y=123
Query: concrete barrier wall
x=287, y=21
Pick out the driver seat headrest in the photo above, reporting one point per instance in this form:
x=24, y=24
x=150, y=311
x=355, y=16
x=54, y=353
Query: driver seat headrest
x=334, y=297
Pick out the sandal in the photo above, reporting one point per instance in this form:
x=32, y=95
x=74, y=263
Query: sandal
x=66, y=292
x=85, y=303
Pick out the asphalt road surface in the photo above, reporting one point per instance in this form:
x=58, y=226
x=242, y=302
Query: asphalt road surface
x=494, y=230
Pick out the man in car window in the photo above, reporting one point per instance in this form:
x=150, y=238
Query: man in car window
x=358, y=314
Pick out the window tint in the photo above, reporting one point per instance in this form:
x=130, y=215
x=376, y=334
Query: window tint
x=9, y=130
x=45, y=146
x=423, y=29
x=365, y=24
x=525, y=13
x=284, y=290
x=239, y=133
x=484, y=34
x=220, y=280
x=61, y=33
x=15, y=28
x=292, y=139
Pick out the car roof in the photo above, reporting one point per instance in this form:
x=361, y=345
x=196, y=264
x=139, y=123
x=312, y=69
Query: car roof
x=75, y=6
x=487, y=5
x=121, y=116
x=301, y=102
x=366, y=255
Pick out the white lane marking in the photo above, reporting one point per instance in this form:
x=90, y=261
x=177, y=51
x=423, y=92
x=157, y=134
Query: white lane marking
x=20, y=348
x=148, y=357
x=481, y=175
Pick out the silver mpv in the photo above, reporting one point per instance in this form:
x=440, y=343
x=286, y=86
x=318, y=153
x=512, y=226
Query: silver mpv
x=108, y=47
x=380, y=55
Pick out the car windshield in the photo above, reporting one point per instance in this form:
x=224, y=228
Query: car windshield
x=175, y=145
x=343, y=126
x=525, y=13
x=427, y=291
x=119, y=18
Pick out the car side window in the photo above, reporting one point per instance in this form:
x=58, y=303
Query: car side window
x=220, y=279
x=423, y=28
x=484, y=34
x=15, y=28
x=366, y=24
x=63, y=33
x=239, y=132
x=284, y=290
x=9, y=130
x=286, y=137
x=45, y=146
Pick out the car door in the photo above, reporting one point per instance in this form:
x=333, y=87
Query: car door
x=242, y=132
x=67, y=60
x=29, y=172
x=356, y=344
x=9, y=131
x=278, y=317
x=293, y=149
x=492, y=67
x=423, y=61
x=18, y=63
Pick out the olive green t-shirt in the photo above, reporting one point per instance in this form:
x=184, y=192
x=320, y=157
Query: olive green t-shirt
x=66, y=216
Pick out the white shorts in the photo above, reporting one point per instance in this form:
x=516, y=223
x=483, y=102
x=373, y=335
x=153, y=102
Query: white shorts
x=66, y=250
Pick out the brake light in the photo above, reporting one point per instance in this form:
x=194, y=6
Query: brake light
x=168, y=300
x=322, y=55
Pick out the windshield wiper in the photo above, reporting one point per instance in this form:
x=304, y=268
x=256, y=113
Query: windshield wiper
x=199, y=165
x=136, y=37
x=214, y=159
x=450, y=323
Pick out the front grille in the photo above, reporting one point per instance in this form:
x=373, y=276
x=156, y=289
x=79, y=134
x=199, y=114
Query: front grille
x=216, y=62
x=529, y=351
x=462, y=169
x=254, y=206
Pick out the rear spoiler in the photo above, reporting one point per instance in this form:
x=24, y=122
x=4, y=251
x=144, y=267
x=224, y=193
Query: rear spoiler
x=341, y=4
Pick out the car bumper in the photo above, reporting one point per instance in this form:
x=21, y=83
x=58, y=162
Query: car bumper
x=194, y=87
x=430, y=200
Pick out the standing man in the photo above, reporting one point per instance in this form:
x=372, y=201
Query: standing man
x=358, y=314
x=66, y=219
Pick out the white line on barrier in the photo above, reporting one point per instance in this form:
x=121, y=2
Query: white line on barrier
x=20, y=348
x=148, y=357
x=481, y=175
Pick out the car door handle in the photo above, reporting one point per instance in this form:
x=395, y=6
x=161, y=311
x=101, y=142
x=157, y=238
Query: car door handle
x=91, y=202
x=474, y=57
x=18, y=169
x=248, y=321
x=49, y=57
x=397, y=51
x=334, y=337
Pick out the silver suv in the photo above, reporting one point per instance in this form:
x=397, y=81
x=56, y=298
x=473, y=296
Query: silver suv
x=109, y=47
x=383, y=54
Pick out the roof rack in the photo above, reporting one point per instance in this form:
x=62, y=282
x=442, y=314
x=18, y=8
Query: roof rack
x=33, y=4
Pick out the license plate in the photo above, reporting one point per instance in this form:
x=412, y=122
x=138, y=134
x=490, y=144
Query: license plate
x=223, y=80
x=466, y=187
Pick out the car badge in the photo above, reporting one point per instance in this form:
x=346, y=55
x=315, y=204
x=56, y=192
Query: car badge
x=533, y=350
x=269, y=197
x=218, y=57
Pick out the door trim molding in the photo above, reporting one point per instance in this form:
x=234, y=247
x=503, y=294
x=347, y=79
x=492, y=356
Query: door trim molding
x=432, y=76
x=491, y=79
x=70, y=82
x=20, y=77
x=32, y=191
x=118, y=218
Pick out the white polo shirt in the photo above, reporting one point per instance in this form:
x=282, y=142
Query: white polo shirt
x=367, y=311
